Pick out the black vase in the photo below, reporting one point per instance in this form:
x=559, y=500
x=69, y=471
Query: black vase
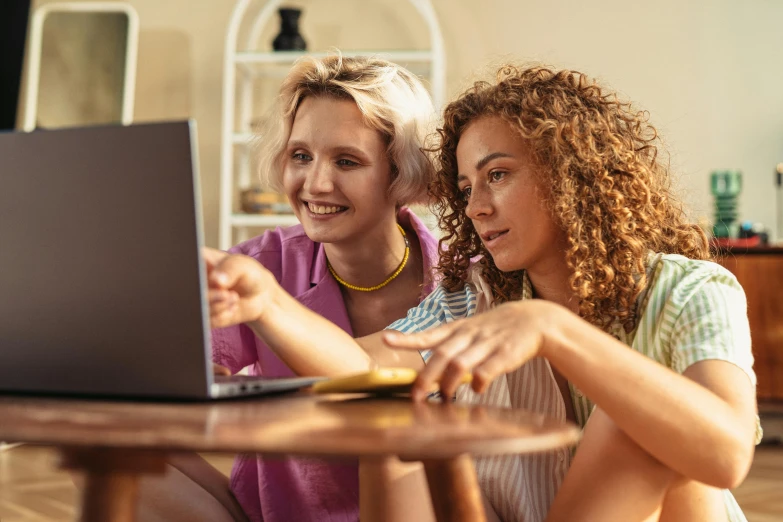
x=289, y=38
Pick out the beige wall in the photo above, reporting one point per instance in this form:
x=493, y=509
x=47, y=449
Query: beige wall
x=709, y=72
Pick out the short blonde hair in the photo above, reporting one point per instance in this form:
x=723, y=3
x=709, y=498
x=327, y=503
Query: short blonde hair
x=392, y=100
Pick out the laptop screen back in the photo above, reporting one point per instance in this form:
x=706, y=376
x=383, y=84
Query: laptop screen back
x=99, y=269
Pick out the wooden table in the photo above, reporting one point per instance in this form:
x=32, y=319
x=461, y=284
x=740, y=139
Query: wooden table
x=114, y=443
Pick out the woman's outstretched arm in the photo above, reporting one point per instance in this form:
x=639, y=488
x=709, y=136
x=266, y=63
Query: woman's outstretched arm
x=241, y=290
x=701, y=423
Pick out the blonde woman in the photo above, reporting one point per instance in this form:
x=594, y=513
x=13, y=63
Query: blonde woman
x=345, y=145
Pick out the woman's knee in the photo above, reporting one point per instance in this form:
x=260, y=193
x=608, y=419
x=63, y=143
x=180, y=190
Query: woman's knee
x=690, y=501
x=611, y=449
x=611, y=478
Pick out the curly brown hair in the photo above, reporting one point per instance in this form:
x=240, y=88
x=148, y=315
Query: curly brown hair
x=606, y=188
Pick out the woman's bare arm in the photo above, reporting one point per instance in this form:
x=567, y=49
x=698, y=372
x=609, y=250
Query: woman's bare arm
x=242, y=291
x=312, y=345
x=700, y=424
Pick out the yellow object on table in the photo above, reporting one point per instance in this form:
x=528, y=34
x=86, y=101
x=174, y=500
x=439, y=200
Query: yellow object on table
x=381, y=381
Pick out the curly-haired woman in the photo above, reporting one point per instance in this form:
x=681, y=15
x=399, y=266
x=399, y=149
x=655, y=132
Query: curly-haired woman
x=557, y=188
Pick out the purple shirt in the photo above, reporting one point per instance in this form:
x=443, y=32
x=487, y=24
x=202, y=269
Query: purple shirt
x=287, y=489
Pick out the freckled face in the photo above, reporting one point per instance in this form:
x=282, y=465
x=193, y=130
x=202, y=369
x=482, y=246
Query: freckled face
x=499, y=181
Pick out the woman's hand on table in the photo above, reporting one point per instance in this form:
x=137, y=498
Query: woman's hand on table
x=486, y=345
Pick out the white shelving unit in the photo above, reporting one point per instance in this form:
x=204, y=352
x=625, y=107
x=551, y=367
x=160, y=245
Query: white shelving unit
x=242, y=65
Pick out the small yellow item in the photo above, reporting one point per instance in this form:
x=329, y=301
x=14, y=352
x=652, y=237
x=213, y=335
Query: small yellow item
x=381, y=381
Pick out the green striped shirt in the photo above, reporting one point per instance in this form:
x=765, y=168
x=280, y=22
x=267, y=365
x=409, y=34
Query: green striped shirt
x=691, y=311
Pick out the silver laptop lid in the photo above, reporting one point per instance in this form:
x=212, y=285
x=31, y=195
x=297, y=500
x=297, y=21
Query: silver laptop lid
x=100, y=279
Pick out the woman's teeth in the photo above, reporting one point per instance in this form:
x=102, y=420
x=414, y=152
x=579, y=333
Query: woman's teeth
x=320, y=209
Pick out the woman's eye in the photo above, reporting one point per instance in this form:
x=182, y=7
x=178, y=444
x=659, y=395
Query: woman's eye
x=496, y=175
x=346, y=163
x=300, y=156
x=465, y=192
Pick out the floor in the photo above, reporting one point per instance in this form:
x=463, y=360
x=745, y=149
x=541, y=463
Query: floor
x=761, y=495
x=33, y=490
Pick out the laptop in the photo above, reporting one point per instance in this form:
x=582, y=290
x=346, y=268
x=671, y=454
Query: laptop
x=102, y=288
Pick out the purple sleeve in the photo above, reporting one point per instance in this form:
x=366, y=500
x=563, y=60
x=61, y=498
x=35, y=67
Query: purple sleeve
x=237, y=346
x=234, y=347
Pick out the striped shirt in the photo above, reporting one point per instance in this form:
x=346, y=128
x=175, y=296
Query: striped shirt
x=692, y=311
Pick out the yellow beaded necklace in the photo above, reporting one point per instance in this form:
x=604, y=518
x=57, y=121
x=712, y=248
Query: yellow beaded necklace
x=388, y=279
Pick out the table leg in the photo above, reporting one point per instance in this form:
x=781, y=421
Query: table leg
x=111, y=480
x=454, y=488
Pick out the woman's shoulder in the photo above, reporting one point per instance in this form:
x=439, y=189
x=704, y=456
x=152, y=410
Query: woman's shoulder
x=288, y=253
x=441, y=306
x=677, y=283
x=451, y=304
x=674, y=270
x=428, y=243
x=696, y=311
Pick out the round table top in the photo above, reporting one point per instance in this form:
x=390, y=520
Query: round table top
x=301, y=424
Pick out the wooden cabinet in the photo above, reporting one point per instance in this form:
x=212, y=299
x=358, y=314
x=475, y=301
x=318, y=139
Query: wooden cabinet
x=760, y=272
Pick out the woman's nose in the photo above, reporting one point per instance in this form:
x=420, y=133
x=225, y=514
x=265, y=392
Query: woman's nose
x=479, y=203
x=318, y=179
